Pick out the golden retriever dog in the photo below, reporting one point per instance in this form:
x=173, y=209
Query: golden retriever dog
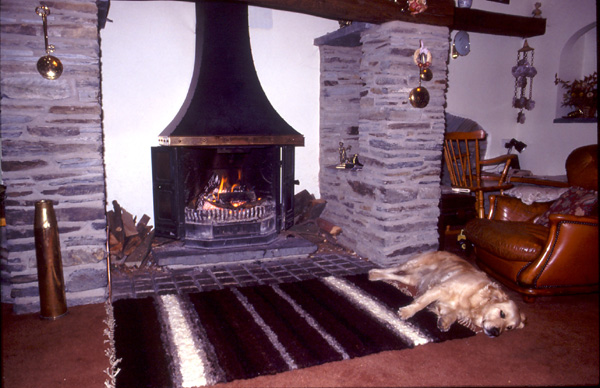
x=455, y=291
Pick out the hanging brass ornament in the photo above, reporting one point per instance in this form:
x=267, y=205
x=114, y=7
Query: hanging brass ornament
x=522, y=71
x=48, y=66
x=419, y=96
x=426, y=74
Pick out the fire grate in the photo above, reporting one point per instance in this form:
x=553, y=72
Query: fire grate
x=254, y=213
x=227, y=227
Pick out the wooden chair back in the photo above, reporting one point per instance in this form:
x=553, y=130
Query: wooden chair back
x=464, y=162
x=461, y=153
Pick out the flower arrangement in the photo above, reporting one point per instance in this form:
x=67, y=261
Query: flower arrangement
x=582, y=94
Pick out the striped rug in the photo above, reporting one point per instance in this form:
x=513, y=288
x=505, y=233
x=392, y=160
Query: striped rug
x=200, y=339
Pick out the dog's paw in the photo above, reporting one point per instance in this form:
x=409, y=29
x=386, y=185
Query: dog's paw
x=405, y=312
x=375, y=274
x=444, y=323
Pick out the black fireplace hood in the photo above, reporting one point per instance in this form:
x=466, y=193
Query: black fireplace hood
x=226, y=105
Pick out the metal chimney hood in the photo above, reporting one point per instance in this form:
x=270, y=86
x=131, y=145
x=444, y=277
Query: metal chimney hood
x=226, y=105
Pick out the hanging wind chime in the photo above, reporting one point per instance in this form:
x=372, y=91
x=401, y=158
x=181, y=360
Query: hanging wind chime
x=419, y=96
x=522, y=71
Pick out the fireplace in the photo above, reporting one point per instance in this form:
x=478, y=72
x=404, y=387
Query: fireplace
x=223, y=174
x=223, y=196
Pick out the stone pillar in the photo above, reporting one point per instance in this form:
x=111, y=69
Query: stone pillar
x=339, y=115
x=388, y=210
x=52, y=148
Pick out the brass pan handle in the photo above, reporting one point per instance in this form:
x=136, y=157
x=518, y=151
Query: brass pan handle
x=48, y=66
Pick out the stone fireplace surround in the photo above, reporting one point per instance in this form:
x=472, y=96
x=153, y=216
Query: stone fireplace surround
x=388, y=210
x=52, y=144
x=52, y=148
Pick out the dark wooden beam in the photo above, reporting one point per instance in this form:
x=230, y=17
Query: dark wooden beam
x=475, y=20
x=439, y=12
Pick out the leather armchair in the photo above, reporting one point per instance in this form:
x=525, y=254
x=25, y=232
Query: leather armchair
x=537, y=260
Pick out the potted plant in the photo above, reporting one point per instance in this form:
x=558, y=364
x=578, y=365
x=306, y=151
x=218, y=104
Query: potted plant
x=582, y=94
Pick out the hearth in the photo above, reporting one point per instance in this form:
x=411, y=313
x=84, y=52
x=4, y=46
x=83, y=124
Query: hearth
x=223, y=174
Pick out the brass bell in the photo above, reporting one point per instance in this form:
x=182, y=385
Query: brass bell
x=419, y=97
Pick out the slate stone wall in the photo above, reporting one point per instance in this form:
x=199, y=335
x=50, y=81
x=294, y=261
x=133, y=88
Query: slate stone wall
x=52, y=148
x=389, y=210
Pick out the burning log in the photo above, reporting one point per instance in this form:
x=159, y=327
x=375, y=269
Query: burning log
x=129, y=242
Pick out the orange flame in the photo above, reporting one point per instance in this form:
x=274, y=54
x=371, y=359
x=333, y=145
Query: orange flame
x=224, y=187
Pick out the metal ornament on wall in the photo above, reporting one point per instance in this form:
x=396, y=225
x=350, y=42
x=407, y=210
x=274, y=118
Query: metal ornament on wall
x=48, y=66
x=461, y=45
x=419, y=96
x=523, y=71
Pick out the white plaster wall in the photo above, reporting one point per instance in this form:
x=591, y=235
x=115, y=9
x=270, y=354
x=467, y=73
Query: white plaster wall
x=481, y=86
x=147, y=62
x=287, y=64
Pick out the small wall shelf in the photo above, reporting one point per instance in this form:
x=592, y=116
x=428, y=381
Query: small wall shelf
x=576, y=121
x=476, y=20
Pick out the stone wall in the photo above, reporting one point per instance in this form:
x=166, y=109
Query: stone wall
x=52, y=148
x=388, y=210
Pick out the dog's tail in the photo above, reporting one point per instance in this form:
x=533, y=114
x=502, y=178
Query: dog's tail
x=383, y=274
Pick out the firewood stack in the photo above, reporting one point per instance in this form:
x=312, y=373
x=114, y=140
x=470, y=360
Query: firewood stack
x=307, y=209
x=130, y=242
x=309, y=224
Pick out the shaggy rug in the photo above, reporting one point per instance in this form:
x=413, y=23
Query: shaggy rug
x=200, y=339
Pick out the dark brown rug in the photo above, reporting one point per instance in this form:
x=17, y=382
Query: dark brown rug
x=239, y=333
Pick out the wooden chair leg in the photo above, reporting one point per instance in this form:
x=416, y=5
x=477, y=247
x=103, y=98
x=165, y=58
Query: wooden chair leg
x=479, y=204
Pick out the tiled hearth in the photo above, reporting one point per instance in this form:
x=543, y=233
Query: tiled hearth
x=151, y=281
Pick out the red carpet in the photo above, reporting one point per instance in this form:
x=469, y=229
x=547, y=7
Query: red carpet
x=558, y=346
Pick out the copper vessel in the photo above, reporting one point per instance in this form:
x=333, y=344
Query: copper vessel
x=53, y=301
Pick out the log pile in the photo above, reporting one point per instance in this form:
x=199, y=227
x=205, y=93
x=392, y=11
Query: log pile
x=307, y=208
x=130, y=241
x=309, y=224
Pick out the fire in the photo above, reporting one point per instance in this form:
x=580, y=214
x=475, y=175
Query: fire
x=221, y=185
x=220, y=193
x=208, y=206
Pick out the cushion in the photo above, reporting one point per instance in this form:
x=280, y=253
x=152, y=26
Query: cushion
x=531, y=194
x=576, y=201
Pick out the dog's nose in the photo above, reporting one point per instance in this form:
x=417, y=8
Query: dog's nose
x=492, y=332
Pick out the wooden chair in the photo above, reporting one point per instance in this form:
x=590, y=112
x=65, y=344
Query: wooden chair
x=461, y=154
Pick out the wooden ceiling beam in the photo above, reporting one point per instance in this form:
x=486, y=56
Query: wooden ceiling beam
x=439, y=13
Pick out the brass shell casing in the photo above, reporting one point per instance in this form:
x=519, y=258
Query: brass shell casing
x=53, y=301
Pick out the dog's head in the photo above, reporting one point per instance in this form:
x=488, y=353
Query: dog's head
x=500, y=316
x=496, y=312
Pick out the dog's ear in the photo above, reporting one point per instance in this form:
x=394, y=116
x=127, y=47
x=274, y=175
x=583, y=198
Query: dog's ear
x=494, y=293
x=523, y=320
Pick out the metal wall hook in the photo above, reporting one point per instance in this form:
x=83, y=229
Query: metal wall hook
x=48, y=66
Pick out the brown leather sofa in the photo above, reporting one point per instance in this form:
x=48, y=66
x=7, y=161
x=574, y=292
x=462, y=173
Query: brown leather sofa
x=534, y=259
